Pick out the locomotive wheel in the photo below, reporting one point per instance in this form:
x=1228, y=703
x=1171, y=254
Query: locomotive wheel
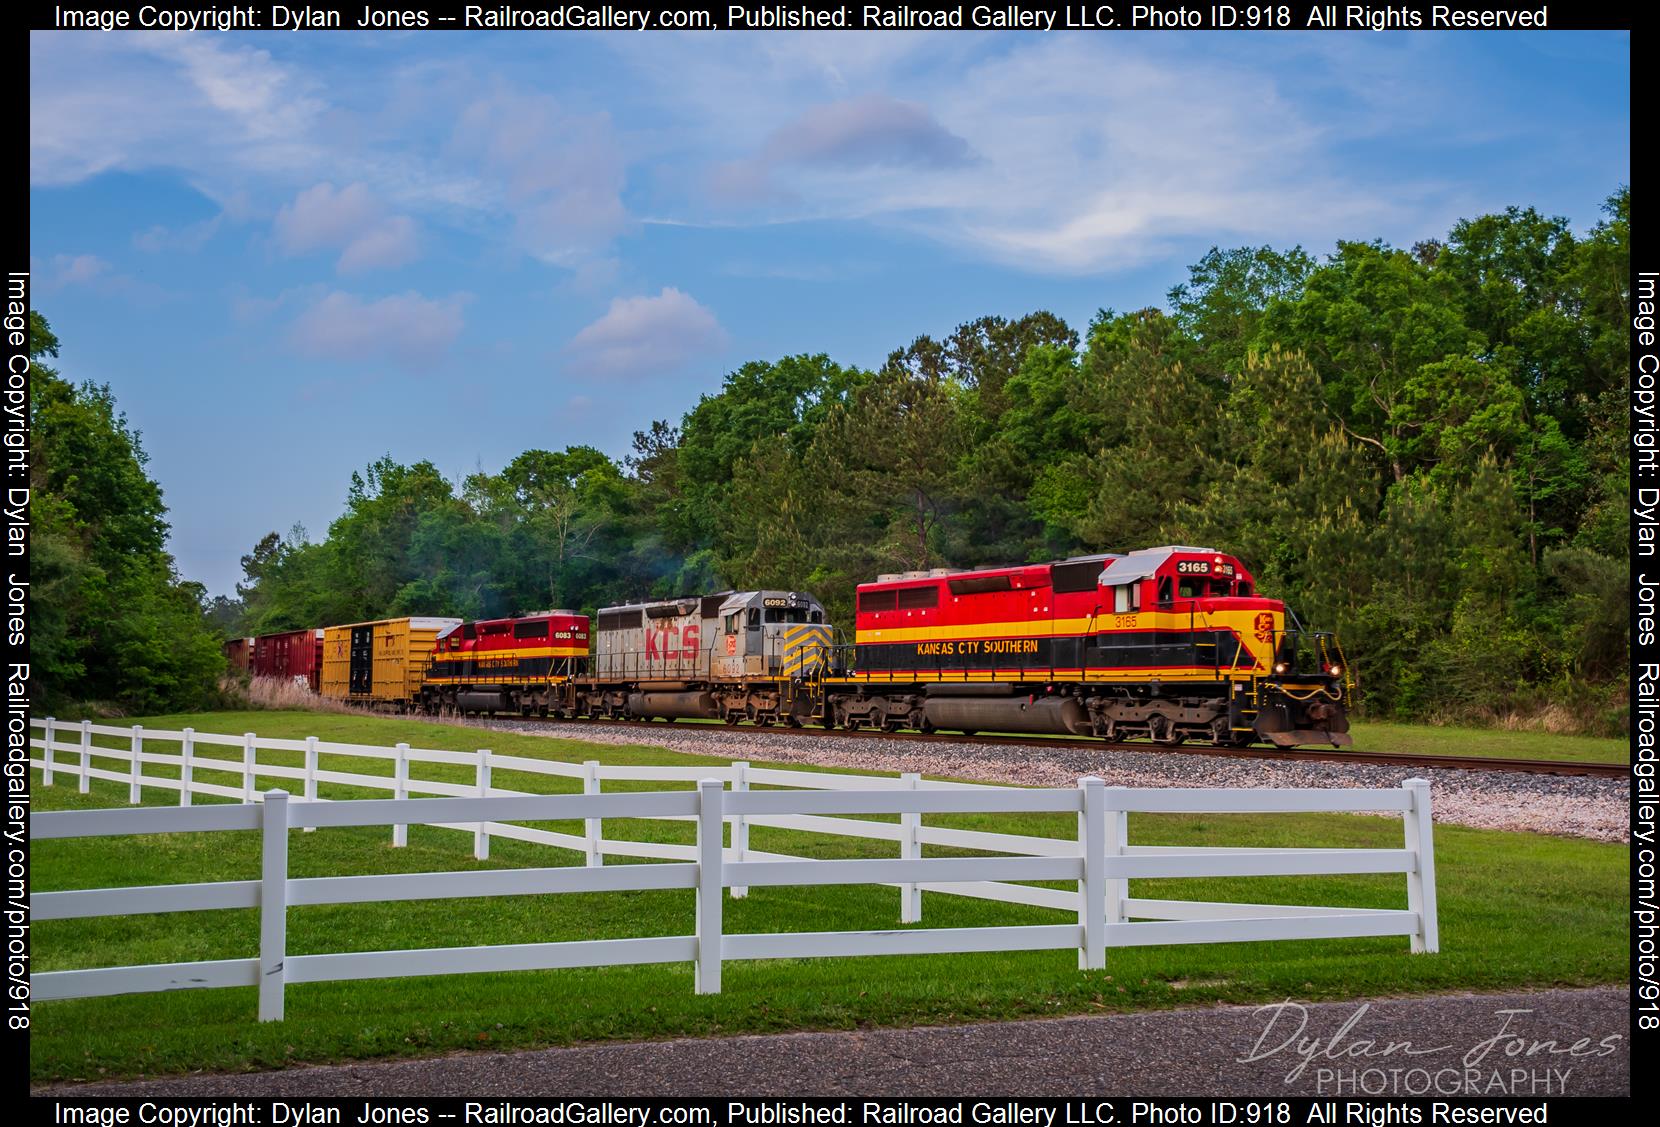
x=1163, y=731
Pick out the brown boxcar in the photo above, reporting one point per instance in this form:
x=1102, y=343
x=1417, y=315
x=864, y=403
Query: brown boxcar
x=293, y=655
x=379, y=663
x=238, y=654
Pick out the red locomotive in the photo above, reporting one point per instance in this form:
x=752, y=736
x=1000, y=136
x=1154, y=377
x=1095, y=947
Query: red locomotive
x=1167, y=644
x=515, y=665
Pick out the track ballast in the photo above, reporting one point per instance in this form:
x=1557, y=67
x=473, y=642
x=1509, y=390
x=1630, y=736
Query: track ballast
x=1332, y=755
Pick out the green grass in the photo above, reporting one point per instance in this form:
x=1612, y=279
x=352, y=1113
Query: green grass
x=1517, y=910
x=1422, y=739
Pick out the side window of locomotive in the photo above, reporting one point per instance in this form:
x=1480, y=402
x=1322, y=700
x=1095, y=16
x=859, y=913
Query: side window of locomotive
x=1164, y=589
x=754, y=618
x=816, y=616
x=1126, y=598
x=1190, y=588
x=732, y=623
x=1244, y=590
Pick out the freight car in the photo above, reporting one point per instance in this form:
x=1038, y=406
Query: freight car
x=1166, y=644
x=734, y=656
x=512, y=665
x=380, y=664
x=295, y=655
x=238, y=653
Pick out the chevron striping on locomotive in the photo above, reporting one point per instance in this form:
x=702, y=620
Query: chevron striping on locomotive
x=1167, y=644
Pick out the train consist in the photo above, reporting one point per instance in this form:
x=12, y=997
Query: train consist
x=1165, y=644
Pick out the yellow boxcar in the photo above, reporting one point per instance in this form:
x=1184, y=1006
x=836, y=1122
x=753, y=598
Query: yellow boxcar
x=379, y=663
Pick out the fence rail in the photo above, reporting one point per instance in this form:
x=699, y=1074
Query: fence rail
x=1099, y=859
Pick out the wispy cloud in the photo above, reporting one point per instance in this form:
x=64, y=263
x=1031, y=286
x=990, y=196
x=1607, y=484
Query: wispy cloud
x=561, y=172
x=1060, y=155
x=641, y=336
x=76, y=270
x=407, y=329
x=352, y=220
x=218, y=111
x=869, y=132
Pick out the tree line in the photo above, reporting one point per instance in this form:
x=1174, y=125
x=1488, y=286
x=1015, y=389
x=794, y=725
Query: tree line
x=1423, y=449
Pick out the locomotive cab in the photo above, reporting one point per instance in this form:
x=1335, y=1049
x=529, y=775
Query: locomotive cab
x=770, y=634
x=1286, y=685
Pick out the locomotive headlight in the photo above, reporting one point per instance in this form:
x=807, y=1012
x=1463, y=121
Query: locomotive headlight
x=1336, y=671
x=1281, y=667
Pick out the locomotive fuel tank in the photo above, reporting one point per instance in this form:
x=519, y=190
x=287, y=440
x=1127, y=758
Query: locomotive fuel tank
x=493, y=701
x=1052, y=715
x=674, y=706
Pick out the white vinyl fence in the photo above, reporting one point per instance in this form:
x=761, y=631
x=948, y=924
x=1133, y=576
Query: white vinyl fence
x=1100, y=859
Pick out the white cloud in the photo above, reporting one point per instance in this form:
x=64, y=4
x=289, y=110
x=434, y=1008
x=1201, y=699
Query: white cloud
x=407, y=329
x=872, y=130
x=76, y=270
x=640, y=336
x=215, y=110
x=560, y=173
x=352, y=219
x=236, y=122
x=1060, y=154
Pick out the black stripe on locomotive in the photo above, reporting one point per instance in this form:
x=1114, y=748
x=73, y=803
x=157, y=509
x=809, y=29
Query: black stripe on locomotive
x=499, y=668
x=1138, y=649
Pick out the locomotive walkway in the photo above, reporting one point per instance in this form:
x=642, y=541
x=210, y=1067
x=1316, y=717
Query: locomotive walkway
x=1573, y=1042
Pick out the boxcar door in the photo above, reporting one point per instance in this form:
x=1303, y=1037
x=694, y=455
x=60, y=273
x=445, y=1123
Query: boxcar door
x=362, y=679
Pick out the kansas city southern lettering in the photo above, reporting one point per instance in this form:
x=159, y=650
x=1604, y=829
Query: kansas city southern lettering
x=1004, y=646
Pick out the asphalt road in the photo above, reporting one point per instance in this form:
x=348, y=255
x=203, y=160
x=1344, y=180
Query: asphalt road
x=1573, y=1042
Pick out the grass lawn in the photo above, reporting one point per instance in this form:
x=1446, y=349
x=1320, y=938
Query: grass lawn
x=1422, y=739
x=1517, y=910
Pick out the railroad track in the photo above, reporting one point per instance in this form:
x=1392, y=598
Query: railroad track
x=1330, y=755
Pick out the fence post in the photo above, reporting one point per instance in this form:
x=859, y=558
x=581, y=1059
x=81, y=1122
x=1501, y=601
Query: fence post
x=248, y=764
x=187, y=769
x=1420, y=882
x=481, y=836
x=86, y=756
x=711, y=831
x=1092, y=889
x=1118, y=844
x=273, y=903
x=135, y=785
x=592, y=828
x=311, y=774
x=46, y=771
x=910, y=895
x=400, y=791
x=740, y=825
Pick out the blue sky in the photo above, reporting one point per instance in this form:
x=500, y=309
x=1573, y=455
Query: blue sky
x=292, y=253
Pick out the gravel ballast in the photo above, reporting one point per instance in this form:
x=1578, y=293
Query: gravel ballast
x=1571, y=805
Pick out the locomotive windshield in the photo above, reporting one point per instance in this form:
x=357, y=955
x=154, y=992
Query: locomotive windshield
x=787, y=614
